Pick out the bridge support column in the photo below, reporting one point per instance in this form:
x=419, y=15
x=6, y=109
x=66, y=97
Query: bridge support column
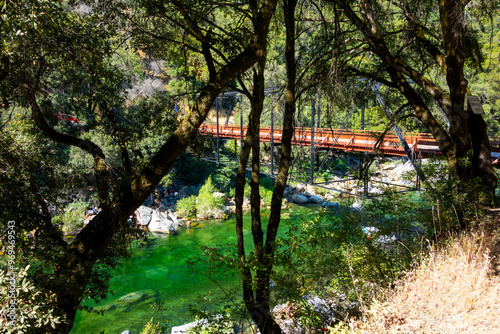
x=362, y=125
x=241, y=129
x=217, y=116
x=272, y=143
x=313, y=112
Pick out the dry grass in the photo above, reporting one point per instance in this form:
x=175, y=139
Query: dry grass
x=452, y=291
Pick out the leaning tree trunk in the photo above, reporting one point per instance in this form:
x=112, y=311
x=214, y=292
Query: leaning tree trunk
x=71, y=277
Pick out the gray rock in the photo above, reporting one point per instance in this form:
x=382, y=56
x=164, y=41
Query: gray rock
x=324, y=308
x=327, y=204
x=174, y=219
x=184, y=328
x=126, y=332
x=210, y=325
x=329, y=196
x=299, y=199
x=357, y=207
x=307, y=193
x=315, y=199
x=143, y=215
x=162, y=224
x=213, y=213
x=220, y=195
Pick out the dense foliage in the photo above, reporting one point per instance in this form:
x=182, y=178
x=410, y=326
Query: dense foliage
x=99, y=100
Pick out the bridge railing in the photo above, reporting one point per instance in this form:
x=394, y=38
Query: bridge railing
x=347, y=140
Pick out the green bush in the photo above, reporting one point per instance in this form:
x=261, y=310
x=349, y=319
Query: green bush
x=224, y=178
x=206, y=201
x=72, y=217
x=340, y=165
x=152, y=328
x=332, y=256
x=186, y=207
x=33, y=312
x=267, y=183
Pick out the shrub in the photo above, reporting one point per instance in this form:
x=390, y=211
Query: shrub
x=186, y=207
x=334, y=257
x=33, y=312
x=72, y=217
x=152, y=328
x=206, y=201
x=267, y=183
x=340, y=165
x=224, y=178
x=202, y=205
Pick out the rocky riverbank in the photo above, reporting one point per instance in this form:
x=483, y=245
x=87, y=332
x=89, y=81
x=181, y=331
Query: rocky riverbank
x=159, y=215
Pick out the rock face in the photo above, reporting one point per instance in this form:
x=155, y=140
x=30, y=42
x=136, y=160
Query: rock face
x=162, y=224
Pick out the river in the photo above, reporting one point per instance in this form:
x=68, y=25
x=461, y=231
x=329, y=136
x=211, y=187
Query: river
x=159, y=273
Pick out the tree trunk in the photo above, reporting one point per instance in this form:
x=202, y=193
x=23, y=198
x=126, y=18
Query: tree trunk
x=71, y=277
x=467, y=132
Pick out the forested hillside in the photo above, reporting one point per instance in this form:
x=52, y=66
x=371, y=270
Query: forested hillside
x=101, y=102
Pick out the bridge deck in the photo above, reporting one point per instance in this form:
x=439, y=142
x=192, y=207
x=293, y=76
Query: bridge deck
x=423, y=144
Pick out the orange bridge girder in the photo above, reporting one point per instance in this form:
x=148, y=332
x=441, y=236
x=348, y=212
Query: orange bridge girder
x=423, y=144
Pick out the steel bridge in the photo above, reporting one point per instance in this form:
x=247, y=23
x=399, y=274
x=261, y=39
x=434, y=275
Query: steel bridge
x=422, y=144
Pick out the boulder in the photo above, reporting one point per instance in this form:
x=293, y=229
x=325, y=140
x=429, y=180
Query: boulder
x=219, y=195
x=371, y=190
x=213, y=213
x=132, y=297
x=174, y=219
x=207, y=325
x=325, y=309
x=299, y=199
x=357, y=207
x=327, y=204
x=184, y=328
x=162, y=224
x=329, y=197
x=301, y=187
x=369, y=230
x=315, y=200
x=143, y=215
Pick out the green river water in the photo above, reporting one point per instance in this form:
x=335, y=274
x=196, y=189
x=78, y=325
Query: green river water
x=160, y=273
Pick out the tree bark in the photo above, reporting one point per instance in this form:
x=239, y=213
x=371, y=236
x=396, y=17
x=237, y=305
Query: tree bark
x=467, y=132
x=71, y=277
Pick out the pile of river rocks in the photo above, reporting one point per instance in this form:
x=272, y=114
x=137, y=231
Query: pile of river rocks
x=156, y=221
